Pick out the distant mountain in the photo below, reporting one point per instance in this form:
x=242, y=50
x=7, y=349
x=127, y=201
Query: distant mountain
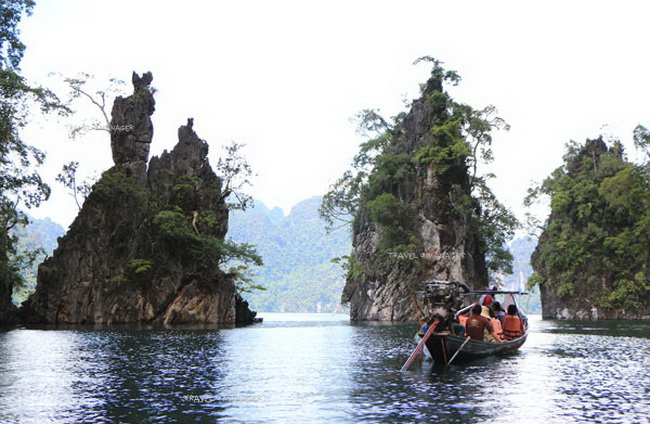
x=297, y=251
x=522, y=248
x=38, y=234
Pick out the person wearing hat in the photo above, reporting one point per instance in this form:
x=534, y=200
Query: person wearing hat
x=476, y=324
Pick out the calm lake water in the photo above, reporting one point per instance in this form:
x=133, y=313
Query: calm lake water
x=305, y=368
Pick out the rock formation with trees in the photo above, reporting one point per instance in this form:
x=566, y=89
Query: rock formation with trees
x=592, y=260
x=148, y=245
x=418, y=206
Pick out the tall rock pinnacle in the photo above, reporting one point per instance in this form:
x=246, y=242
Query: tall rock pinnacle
x=147, y=244
x=131, y=127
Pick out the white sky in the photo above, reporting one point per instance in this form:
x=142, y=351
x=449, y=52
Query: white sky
x=285, y=77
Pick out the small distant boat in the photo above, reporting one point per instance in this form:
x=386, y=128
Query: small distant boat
x=445, y=340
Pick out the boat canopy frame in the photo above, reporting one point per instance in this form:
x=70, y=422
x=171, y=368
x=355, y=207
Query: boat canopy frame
x=512, y=294
x=494, y=292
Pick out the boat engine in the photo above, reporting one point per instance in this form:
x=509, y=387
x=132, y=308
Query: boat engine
x=444, y=299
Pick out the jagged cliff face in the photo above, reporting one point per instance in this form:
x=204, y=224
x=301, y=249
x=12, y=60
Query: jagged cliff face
x=131, y=126
x=141, y=249
x=441, y=243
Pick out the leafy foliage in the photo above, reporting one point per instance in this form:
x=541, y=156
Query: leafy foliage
x=385, y=177
x=341, y=204
x=642, y=140
x=596, y=242
x=396, y=219
x=139, y=266
x=194, y=234
x=175, y=227
x=68, y=177
x=11, y=47
x=20, y=185
x=235, y=171
x=208, y=253
x=116, y=187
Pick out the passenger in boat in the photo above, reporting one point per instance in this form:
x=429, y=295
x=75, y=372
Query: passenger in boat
x=512, y=325
x=498, y=311
x=488, y=313
x=423, y=325
x=424, y=328
x=486, y=299
x=498, y=328
x=476, y=324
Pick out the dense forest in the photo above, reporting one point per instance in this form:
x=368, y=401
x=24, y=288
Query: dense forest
x=593, y=255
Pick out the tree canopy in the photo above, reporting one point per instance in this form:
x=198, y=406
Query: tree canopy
x=20, y=185
x=378, y=182
x=596, y=241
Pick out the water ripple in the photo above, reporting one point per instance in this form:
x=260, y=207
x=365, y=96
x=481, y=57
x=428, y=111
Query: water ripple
x=305, y=368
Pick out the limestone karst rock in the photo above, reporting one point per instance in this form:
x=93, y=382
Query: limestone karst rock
x=144, y=247
x=591, y=259
x=131, y=127
x=7, y=309
x=380, y=285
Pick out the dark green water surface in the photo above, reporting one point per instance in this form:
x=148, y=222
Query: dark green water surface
x=297, y=368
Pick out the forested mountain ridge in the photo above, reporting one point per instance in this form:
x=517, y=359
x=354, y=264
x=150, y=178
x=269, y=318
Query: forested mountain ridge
x=298, y=272
x=593, y=257
x=522, y=248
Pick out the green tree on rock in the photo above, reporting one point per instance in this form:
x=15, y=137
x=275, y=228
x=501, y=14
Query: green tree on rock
x=386, y=177
x=595, y=247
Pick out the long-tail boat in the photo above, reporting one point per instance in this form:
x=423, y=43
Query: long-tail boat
x=444, y=336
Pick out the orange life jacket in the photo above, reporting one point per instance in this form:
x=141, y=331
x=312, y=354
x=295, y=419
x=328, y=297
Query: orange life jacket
x=497, y=326
x=512, y=327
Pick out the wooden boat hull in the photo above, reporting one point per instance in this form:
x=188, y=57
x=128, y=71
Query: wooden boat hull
x=443, y=346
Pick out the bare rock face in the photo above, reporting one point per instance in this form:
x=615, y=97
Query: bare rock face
x=131, y=128
x=379, y=286
x=581, y=308
x=145, y=248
